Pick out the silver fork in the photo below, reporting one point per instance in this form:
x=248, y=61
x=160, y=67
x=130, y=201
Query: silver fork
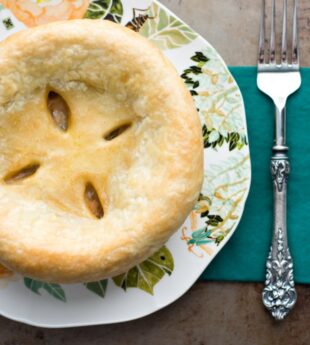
x=279, y=79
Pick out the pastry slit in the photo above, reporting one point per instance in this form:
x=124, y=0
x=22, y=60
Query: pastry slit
x=92, y=201
x=22, y=173
x=59, y=110
x=116, y=132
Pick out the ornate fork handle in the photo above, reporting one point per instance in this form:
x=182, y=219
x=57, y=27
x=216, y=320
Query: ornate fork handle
x=279, y=294
x=279, y=77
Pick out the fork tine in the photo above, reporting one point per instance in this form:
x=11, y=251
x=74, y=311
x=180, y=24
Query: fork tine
x=284, y=34
x=273, y=34
x=295, y=54
x=261, y=45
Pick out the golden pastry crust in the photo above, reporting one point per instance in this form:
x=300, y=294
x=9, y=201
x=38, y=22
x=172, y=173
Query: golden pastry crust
x=147, y=179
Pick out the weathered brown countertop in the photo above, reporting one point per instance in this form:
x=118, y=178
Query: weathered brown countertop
x=210, y=313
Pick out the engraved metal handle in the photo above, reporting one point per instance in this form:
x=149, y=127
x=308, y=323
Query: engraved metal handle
x=279, y=294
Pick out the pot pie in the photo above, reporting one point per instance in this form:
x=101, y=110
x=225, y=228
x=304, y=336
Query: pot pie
x=100, y=148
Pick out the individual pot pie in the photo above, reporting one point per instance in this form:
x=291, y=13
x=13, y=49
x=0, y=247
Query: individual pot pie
x=101, y=154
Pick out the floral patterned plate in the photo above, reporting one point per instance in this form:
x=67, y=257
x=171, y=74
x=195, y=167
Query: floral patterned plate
x=170, y=272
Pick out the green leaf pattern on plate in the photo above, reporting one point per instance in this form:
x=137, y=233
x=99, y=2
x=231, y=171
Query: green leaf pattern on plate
x=207, y=234
x=105, y=9
x=218, y=101
x=54, y=290
x=99, y=287
x=221, y=202
x=146, y=275
x=227, y=184
x=220, y=108
x=166, y=31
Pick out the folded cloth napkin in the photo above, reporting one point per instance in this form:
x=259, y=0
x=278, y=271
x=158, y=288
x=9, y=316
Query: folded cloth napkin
x=244, y=256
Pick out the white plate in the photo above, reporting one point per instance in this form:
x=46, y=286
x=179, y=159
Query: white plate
x=169, y=274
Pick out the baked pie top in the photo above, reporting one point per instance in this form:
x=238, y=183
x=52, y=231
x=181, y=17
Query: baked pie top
x=101, y=155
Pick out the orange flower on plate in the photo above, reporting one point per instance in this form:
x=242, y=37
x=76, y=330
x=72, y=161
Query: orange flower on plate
x=37, y=12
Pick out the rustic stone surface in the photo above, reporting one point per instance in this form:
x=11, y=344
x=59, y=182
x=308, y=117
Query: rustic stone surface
x=210, y=313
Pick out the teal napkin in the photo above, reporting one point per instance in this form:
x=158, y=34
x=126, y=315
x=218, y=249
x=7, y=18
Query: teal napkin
x=243, y=258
